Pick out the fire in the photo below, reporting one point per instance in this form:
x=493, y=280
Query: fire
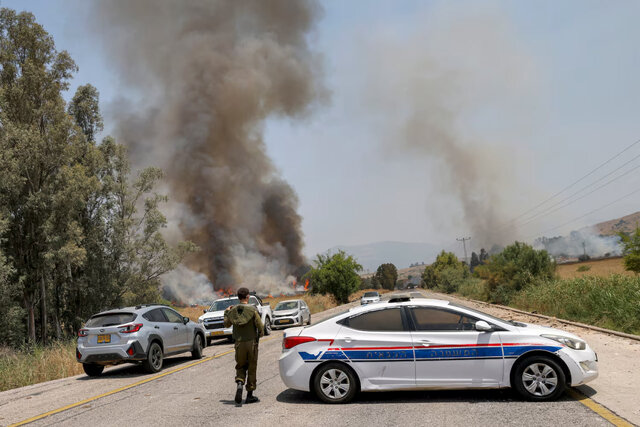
x=293, y=285
x=306, y=285
x=227, y=292
x=270, y=296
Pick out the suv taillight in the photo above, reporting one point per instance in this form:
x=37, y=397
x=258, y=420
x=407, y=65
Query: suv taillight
x=128, y=329
x=83, y=332
x=290, y=342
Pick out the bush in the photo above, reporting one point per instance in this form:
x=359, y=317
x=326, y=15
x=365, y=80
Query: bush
x=583, y=268
x=445, y=274
x=609, y=302
x=513, y=269
x=386, y=276
x=474, y=288
x=336, y=275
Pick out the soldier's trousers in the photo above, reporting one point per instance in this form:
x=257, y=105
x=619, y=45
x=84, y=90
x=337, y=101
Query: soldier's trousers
x=247, y=363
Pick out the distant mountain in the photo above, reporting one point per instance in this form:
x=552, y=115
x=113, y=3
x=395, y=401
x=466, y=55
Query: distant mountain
x=401, y=254
x=626, y=223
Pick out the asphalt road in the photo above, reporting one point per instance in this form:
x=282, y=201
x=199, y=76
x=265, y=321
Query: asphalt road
x=202, y=394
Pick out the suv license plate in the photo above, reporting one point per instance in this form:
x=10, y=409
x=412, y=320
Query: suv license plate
x=217, y=333
x=104, y=339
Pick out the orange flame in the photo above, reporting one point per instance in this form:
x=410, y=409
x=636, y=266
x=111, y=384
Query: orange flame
x=306, y=285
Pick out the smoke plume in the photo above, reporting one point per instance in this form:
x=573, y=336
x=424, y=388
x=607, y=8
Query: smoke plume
x=204, y=76
x=445, y=93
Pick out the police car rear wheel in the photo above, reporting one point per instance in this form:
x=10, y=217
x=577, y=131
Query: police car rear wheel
x=539, y=378
x=335, y=383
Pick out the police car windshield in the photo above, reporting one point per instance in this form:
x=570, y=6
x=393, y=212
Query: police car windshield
x=223, y=304
x=287, y=305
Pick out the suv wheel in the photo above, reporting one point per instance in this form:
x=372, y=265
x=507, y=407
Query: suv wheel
x=267, y=326
x=539, y=378
x=309, y=322
x=92, y=370
x=335, y=383
x=196, y=353
x=153, y=363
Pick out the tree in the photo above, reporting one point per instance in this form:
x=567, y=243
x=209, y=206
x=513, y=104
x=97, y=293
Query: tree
x=335, y=274
x=517, y=266
x=445, y=274
x=387, y=275
x=76, y=234
x=631, y=250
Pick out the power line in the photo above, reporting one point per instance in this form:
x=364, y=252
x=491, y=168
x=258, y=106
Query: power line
x=588, y=213
x=549, y=211
x=575, y=182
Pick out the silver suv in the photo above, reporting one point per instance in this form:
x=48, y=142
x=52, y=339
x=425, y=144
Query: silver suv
x=143, y=334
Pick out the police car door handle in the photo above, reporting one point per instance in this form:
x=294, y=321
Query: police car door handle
x=157, y=327
x=348, y=339
x=425, y=343
x=175, y=328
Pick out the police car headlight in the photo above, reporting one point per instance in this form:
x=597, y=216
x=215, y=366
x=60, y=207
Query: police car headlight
x=569, y=342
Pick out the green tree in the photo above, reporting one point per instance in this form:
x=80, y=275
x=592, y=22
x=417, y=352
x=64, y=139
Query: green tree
x=631, y=250
x=516, y=267
x=445, y=274
x=335, y=274
x=387, y=275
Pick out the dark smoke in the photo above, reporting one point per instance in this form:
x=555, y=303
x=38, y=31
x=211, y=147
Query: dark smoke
x=206, y=75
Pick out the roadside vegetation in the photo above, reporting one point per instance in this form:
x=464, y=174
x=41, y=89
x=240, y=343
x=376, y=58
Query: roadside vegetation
x=523, y=277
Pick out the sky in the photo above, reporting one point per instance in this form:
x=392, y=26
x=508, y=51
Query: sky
x=534, y=94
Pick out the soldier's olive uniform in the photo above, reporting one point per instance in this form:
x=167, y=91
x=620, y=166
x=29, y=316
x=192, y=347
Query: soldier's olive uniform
x=247, y=329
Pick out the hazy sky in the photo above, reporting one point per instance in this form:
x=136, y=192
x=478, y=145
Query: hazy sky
x=535, y=94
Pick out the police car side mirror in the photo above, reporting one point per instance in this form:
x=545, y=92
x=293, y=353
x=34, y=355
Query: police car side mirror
x=483, y=326
x=185, y=320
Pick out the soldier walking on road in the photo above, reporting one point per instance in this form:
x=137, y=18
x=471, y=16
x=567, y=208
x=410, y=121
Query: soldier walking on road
x=247, y=330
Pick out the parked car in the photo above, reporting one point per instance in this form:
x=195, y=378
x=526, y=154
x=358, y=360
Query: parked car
x=431, y=344
x=291, y=313
x=213, y=317
x=143, y=334
x=369, y=298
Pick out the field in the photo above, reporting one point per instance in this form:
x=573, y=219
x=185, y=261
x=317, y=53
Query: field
x=601, y=268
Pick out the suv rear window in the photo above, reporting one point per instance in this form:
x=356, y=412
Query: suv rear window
x=110, y=319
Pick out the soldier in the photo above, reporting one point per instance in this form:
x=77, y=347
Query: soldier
x=247, y=330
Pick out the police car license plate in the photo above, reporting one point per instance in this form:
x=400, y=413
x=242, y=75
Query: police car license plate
x=104, y=339
x=217, y=333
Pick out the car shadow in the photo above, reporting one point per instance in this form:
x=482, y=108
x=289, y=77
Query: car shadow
x=417, y=396
x=131, y=371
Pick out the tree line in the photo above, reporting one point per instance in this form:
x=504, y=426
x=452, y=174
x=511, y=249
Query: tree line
x=79, y=232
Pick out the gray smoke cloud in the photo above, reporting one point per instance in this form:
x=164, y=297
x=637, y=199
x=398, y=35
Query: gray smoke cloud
x=204, y=76
x=427, y=88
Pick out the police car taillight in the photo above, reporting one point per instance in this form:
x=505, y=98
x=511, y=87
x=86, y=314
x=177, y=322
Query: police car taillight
x=290, y=342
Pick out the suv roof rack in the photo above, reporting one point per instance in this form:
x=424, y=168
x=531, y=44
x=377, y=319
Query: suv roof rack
x=400, y=298
x=138, y=307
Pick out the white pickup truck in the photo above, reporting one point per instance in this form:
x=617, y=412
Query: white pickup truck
x=213, y=317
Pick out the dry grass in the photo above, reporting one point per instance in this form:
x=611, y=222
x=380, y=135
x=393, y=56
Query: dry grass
x=316, y=303
x=600, y=268
x=21, y=368
x=192, y=312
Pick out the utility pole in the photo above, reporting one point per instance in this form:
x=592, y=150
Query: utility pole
x=464, y=246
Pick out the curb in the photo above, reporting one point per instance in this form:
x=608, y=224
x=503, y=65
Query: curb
x=568, y=322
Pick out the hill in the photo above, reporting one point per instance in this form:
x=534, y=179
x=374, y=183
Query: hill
x=401, y=254
x=626, y=224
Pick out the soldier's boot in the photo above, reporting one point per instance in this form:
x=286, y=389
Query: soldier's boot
x=238, y=398
x=251, y=398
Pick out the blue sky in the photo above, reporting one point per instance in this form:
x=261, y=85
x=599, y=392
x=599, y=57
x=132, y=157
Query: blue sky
x=551, y=87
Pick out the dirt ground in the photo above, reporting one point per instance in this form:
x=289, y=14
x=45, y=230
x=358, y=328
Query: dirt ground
x=601, y=267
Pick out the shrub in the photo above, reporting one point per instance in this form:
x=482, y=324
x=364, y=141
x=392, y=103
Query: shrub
x=445, y=274
x=583, y=268
x=336, y=275
x=609, y=302
x=513, y=269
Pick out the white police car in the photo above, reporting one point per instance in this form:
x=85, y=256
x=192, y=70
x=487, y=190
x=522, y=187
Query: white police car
x=431, y=344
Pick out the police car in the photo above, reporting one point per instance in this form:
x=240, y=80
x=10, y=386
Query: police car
x=431, y=344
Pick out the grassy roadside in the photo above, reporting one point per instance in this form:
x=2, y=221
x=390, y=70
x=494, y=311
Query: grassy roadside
x=611, y=302
x=19, y=368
